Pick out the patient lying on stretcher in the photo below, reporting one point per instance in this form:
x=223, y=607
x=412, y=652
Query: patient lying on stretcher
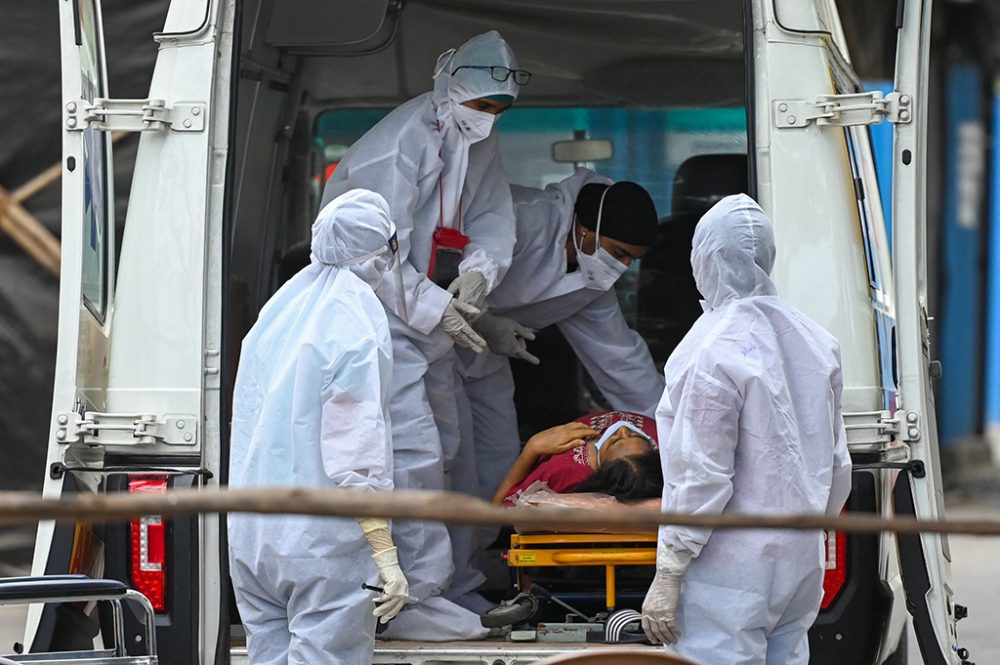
x=612, y=453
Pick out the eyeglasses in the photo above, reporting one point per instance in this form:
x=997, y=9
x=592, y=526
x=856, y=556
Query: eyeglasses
x=521, y=76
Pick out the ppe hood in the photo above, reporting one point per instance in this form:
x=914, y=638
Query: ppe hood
x=732, y=252
x=352, y=228
x=486, y=50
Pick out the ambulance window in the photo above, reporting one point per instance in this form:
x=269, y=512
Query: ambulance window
x=649, y=145
x=95, y=163
x=868, y=207
x=100, y=179
x=337, y=129
x=872, y=224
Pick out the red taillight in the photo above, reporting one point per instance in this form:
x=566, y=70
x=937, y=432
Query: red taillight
x=330, y=168
x=836, y=566
x=149, y=547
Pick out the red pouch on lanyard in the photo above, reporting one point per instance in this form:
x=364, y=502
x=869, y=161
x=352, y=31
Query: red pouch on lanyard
x=447, y=250
x=447, y=246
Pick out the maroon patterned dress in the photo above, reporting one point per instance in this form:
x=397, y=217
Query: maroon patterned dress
x=564, y=472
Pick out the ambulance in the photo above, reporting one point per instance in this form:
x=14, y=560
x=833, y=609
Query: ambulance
x=251, y=104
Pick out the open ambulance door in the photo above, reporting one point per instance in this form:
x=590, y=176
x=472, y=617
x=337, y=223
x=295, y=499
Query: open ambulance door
x=813, y=157
x=86, y=288
x=925, y=559
x=86, y=283
x=136, y=398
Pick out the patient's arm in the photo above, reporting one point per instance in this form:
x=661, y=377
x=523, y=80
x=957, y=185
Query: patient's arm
x=552, y=441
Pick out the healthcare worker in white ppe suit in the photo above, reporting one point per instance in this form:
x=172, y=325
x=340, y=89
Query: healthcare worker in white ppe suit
x=575, y=238
x=435, y=160
x=750, y=422
x=309, y=410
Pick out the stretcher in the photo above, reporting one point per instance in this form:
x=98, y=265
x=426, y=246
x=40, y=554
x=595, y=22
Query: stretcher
x=606, y=604
x=80, y=588
x=583, y=549
x=606, y=621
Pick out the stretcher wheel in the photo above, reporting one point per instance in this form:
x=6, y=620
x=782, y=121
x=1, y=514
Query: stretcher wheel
x=518, y=610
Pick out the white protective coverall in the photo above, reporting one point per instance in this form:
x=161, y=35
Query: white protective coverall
x=309, y=409
x=538, y=292
x=750, y=422
x=426, y=168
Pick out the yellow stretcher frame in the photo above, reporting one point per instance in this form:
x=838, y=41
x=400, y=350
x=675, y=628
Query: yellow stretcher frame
x=564, y=549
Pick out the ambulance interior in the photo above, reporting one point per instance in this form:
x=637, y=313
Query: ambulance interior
x=663, y=84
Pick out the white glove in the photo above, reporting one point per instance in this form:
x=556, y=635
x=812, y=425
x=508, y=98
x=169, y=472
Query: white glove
x=454, y=323
x=506, y=337
x=469, y=288
x=397, y=590
x=659, y=609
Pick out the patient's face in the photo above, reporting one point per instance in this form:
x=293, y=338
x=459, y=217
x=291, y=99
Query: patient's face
x=622, y=444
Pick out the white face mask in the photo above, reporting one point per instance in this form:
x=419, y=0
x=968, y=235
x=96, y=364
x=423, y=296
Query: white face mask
x=474, y=125
x=621, y=424
x=600, y=270
x=385, y=276
x=371, y=271
x=371, y=267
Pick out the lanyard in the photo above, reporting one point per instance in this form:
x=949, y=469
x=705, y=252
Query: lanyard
x=441, y=223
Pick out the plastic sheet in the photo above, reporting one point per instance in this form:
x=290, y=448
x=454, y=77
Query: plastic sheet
x=538, y=495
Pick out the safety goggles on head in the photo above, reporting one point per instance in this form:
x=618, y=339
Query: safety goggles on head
x=391, y=247
x=500, y=73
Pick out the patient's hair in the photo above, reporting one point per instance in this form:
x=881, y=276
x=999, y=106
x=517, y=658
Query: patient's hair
x=631, y=478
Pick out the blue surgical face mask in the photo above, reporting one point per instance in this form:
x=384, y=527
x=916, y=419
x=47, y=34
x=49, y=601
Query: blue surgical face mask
x=621, y=424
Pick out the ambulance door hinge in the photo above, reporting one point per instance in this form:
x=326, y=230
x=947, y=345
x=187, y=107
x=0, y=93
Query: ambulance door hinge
x=874, y=429
x=910, y=426
x=126, y=429
x=134, y=115
x=863, y=108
